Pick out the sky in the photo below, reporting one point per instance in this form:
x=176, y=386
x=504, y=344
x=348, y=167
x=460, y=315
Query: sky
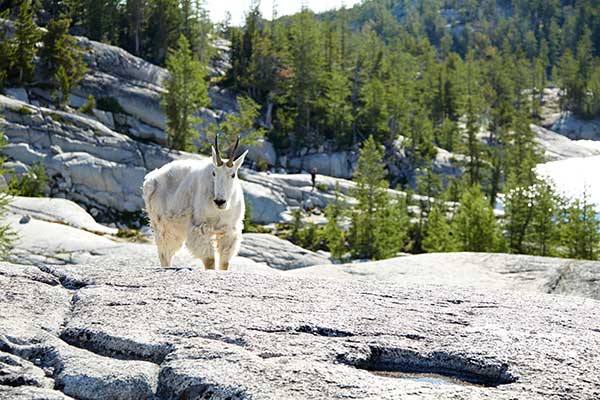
x=237, y=8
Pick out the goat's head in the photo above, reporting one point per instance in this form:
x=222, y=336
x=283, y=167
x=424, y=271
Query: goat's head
x=225, y=174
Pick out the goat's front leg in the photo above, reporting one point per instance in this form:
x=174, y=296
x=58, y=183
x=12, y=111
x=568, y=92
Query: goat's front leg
x=200, y=242
x=228, y=245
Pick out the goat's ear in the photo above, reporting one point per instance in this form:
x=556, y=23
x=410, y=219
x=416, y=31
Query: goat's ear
x=237, y=163
x=215, y=158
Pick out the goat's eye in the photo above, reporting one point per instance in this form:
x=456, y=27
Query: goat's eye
x=233, y=175
x=214, y=173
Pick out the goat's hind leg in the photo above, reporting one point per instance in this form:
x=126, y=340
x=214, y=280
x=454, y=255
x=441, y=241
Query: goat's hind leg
x=168, y=242
x=201, y=244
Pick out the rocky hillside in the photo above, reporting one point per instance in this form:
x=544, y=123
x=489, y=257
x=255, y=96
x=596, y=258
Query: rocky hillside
x=99, y=158
x=88, y=315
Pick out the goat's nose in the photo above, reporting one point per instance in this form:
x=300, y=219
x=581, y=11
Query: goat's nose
x=219, y=202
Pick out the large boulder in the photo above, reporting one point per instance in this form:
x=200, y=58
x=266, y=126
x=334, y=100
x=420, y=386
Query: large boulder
x=339, y=164
x=87, y=161
x=263, y=151
x=559, y=147
x=61, y=211
x=576, y=128
x=278, y=253
x=266, y=205
x=141, y=332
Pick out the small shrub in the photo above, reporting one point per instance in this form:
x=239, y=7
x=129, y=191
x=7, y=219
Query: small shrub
x=132, y=235
x=31, y=184
x=7, y=235
x=322, y=187
x=109, y=104
x=58, y=118
x=262, y=165
x=88, y=106
x=25, y=110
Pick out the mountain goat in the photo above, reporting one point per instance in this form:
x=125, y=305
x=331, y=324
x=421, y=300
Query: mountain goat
x=200, y=203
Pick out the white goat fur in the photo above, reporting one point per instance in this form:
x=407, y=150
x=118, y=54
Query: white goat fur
x=180, y=203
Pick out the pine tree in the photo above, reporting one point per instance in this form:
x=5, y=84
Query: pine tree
x=572, y=87
x=438, y=235
x=581, y=229
x=373, y=115
x=60, y=58
x=102, y=20
x=201, y=45
x=334, y=236
x=240, y=125
x=162, y=30
x=421, y=139
x=6, y=50
x=307, y=81
x=475, y=224
x=136, y=12
x=378, y=225
x=545, y=228
x=26, y=36
x=371, y=194
x=336, y=108
x=7, y=235
x=474, y=148
x=392, y=227
x=187, y=92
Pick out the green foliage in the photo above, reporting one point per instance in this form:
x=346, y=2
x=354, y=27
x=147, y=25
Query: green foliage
x=333, y=235
x=262, y=165
x=378, y=223
x=31, y=184
x=187, y=92
x=60, y=59
x=101, y=19
x=321, y=187
x=162, y=30
x=6, y=57
x=305, y=234
x=89, y=105
x=532, y=218
x=7, y=235
x=24, y=110
x=296, y=225
x=110, y=104
x=474, y=224
x=240, y=124
x=580, y=232
x=438, y=235
x=23, y=45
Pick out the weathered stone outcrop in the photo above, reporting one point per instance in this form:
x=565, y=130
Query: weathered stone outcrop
x=559, y=147
x=185, y=333
x=58, y=231
x=278, y=253
x=104, y=169
x=61, y=211
x=490, y=270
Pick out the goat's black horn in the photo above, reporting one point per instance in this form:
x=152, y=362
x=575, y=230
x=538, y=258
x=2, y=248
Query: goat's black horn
x=232, y=152
x=219, y=161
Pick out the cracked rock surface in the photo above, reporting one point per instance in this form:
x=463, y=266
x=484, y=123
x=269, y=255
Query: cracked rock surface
x=481, y=270
x=116, y=331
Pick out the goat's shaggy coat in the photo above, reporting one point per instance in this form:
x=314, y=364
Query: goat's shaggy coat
x=183, y=200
